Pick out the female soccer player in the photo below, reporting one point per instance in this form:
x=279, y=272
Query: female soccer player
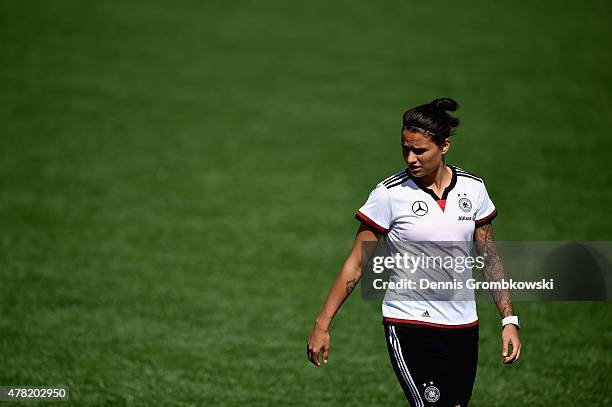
x=433, y=345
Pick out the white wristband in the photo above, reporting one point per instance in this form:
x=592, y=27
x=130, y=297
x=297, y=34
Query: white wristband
x=514, y=320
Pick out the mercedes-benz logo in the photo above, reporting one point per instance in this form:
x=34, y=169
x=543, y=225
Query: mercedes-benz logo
x=419, y=208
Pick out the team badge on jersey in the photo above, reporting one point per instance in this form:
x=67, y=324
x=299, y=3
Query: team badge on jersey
x=431, y=393
x=465, y=204
x=420, y=208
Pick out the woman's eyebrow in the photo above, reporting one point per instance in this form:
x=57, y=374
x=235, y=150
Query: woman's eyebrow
x=413, y=147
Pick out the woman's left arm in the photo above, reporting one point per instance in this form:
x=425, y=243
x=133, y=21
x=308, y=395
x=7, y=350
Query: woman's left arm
x=494, y=271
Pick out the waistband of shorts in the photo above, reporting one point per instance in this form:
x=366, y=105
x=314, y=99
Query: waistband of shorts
x=416, y=323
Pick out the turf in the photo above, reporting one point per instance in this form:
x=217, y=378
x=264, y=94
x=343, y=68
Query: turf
x=178, y=180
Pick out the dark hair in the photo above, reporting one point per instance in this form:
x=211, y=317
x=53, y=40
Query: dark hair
x=431, y=119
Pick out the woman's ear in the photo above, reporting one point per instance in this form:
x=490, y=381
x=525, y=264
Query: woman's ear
x=446, y=145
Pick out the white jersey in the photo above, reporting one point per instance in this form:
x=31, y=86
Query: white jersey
x=407, y=212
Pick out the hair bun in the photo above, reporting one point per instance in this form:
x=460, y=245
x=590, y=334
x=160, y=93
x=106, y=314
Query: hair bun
x=446, y=104
x=432, y=119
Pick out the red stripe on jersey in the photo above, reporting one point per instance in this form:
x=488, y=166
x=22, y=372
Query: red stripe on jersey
x=486, y=219
x=415, y=322
x=370, y=222
x=441, y=204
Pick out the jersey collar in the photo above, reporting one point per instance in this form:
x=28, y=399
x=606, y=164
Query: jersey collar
x=432, y=193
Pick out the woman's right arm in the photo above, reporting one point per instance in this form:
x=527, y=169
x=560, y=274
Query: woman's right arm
x=343, y=285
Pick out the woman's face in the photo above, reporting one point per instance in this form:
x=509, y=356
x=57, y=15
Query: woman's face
x=422, y=155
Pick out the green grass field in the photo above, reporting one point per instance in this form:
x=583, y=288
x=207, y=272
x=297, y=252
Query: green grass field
x=178, y=182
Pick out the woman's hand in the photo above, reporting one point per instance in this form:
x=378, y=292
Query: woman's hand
x=317, y=341
x=343, y=285
x=510, y=338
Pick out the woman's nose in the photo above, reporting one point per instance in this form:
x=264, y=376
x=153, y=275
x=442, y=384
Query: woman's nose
x=411, y=158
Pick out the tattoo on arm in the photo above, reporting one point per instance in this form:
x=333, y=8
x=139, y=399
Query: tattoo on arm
x=493, y=267
x=350, y=285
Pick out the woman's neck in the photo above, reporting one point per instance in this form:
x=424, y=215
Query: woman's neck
x=439, y=179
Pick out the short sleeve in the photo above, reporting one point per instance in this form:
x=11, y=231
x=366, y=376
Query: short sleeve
x=376, y=212
x=486, y=211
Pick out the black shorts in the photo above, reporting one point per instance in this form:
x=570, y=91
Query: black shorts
x=435, y=366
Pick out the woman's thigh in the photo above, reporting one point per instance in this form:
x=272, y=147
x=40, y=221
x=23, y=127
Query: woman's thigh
x=427, y=364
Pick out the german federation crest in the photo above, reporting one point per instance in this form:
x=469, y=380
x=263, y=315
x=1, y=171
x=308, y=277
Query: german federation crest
x=465, y=204
x=432, y=394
